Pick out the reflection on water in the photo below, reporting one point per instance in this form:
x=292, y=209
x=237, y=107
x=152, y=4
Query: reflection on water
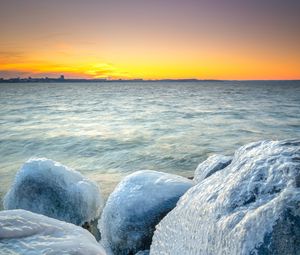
x=107, y=130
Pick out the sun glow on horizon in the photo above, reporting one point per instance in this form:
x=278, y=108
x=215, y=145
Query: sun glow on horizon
x=193, y=39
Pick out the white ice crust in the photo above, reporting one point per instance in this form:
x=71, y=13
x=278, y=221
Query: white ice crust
x=49, y=188
x=24, y=232
x=211, y=165
x=145, y=252
x=134, y=208
x=232, y=211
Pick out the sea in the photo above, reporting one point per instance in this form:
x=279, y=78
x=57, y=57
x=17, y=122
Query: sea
x=107, y=130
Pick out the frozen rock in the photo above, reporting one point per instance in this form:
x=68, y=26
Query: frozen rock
x=211, y=165
x=250, y=207
x=49, y=188
x=137, y=204
x=145, y=252
x=24, y=232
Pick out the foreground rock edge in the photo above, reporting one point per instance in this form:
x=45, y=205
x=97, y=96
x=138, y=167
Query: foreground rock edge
x=24, y=232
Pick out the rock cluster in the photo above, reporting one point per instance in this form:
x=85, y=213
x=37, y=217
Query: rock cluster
x=245, y=204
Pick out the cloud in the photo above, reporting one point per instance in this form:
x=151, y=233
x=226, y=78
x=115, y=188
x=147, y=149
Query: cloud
x=11, y=56
x=13, y=74
x=62, y=61
x=101, y=70
x=104, y=70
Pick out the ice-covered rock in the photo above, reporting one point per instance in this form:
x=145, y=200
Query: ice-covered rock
x=250, y=207
x=137, y=204
x=145, y=252
x=24, y=232
x=211, y=165
x=49, y=188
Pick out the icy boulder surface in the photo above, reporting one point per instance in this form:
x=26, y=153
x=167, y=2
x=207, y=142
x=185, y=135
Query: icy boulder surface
x=49, y=188
x=24, y=232
x=211, y=165
x=145, y=252
x=137, y=204
x=250, y=207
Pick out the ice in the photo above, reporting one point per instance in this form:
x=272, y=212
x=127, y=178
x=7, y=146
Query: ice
x=145, y=252
x=137, y=204
x=250, y=207
x=211, y=165
x=24, y=232
x=49, y=188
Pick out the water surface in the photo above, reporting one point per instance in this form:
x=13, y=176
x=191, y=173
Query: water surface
x=107, y=130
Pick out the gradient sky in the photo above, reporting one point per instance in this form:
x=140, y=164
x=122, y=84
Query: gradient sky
x=205, y=39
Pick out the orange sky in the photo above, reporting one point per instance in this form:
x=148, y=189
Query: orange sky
x=150, y=39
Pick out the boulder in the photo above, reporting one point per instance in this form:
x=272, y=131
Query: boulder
x=24, y=232
x=211, y=165
x=137, y=204
x=46, y=187
x=250, y=207
x=145, y=252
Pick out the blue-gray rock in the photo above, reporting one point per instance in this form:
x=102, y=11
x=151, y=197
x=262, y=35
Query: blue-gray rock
x=24, y=232
x=250, y=207
x=136, y=206
x=146, y=252
x=211, y=165
x=46, y=187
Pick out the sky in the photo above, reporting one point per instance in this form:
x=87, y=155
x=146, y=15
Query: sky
x=150, y=39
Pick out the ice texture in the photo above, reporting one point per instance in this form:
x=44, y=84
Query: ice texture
x=137, y=204
x=211, y=165
x=24, y=232
x=49, y=188
x=250, y=207
x=145, y=252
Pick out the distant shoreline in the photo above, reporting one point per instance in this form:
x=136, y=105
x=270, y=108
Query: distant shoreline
x=47, y=80
x=63, y=80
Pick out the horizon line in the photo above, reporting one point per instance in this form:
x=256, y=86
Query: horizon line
x=62, y=78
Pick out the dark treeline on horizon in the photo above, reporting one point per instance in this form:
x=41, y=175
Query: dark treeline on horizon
x=63, y=79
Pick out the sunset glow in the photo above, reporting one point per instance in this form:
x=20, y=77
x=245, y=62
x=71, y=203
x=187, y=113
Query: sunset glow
x=150, y=39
